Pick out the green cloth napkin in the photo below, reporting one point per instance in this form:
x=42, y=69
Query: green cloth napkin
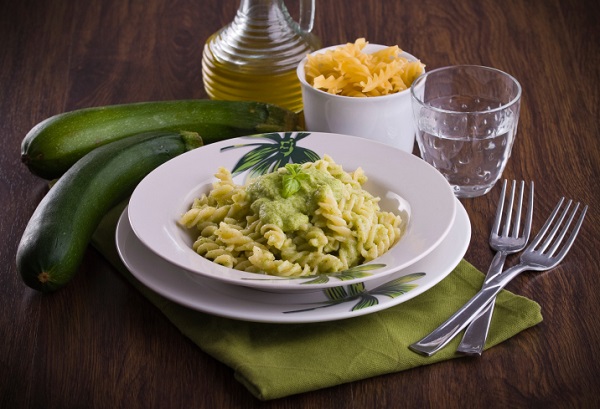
x=277, y=360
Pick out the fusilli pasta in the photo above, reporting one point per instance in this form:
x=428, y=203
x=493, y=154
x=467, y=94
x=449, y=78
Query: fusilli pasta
x=348, y=71
x=341, y=225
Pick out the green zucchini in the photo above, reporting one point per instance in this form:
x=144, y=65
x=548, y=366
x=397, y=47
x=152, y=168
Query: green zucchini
x=55, y=144
x=57, y=235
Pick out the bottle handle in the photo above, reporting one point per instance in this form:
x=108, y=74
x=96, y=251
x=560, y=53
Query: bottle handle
x=307, y=15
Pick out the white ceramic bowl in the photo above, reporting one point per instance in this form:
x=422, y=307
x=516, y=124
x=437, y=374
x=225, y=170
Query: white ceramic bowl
x=406, y=185
x=386, y=118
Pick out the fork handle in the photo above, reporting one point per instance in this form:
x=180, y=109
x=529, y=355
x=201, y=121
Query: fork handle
x=473, y=340
x=437, y=339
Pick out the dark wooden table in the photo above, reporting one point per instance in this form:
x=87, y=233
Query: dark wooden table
x=98, y=343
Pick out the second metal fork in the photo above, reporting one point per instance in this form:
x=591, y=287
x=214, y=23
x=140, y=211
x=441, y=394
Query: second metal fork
x=508, y=240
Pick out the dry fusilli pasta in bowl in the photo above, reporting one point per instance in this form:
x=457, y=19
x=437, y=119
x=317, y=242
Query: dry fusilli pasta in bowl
x=360, y=89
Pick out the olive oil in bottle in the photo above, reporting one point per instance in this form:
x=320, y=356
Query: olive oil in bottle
x=255, y=56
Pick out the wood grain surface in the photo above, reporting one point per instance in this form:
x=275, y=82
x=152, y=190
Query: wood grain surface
x=98, y=343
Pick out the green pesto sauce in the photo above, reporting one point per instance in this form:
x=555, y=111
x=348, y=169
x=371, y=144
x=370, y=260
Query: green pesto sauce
x=292, y=212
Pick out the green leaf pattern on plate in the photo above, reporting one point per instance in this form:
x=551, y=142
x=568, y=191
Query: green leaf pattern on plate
x=272, y=151
x=362, y=298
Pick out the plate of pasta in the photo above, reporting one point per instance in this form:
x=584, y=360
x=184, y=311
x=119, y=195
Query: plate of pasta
x=293, y=211
x=249, y=304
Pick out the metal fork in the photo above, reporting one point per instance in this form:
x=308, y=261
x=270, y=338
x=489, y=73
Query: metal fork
x=508, y=241
x=538, y=256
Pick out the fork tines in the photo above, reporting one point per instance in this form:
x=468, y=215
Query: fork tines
x=513, y=230
x=552, y=241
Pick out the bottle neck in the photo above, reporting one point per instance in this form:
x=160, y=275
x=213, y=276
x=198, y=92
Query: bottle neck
x=269, y=9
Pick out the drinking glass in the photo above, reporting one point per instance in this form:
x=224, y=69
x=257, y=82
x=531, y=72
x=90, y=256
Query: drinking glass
x=466, y=119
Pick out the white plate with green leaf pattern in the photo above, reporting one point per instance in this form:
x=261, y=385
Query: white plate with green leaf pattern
x=328, y=304
x=406, y=185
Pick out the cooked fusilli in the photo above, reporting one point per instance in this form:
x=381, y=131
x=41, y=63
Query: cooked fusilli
x=344, y=229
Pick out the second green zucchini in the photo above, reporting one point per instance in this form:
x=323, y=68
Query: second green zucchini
x=60, y=229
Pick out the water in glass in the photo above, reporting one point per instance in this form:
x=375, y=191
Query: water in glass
x=470, y=145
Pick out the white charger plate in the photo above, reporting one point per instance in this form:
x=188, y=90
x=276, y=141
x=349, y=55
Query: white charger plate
x=248, y=304
x=406, y=184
